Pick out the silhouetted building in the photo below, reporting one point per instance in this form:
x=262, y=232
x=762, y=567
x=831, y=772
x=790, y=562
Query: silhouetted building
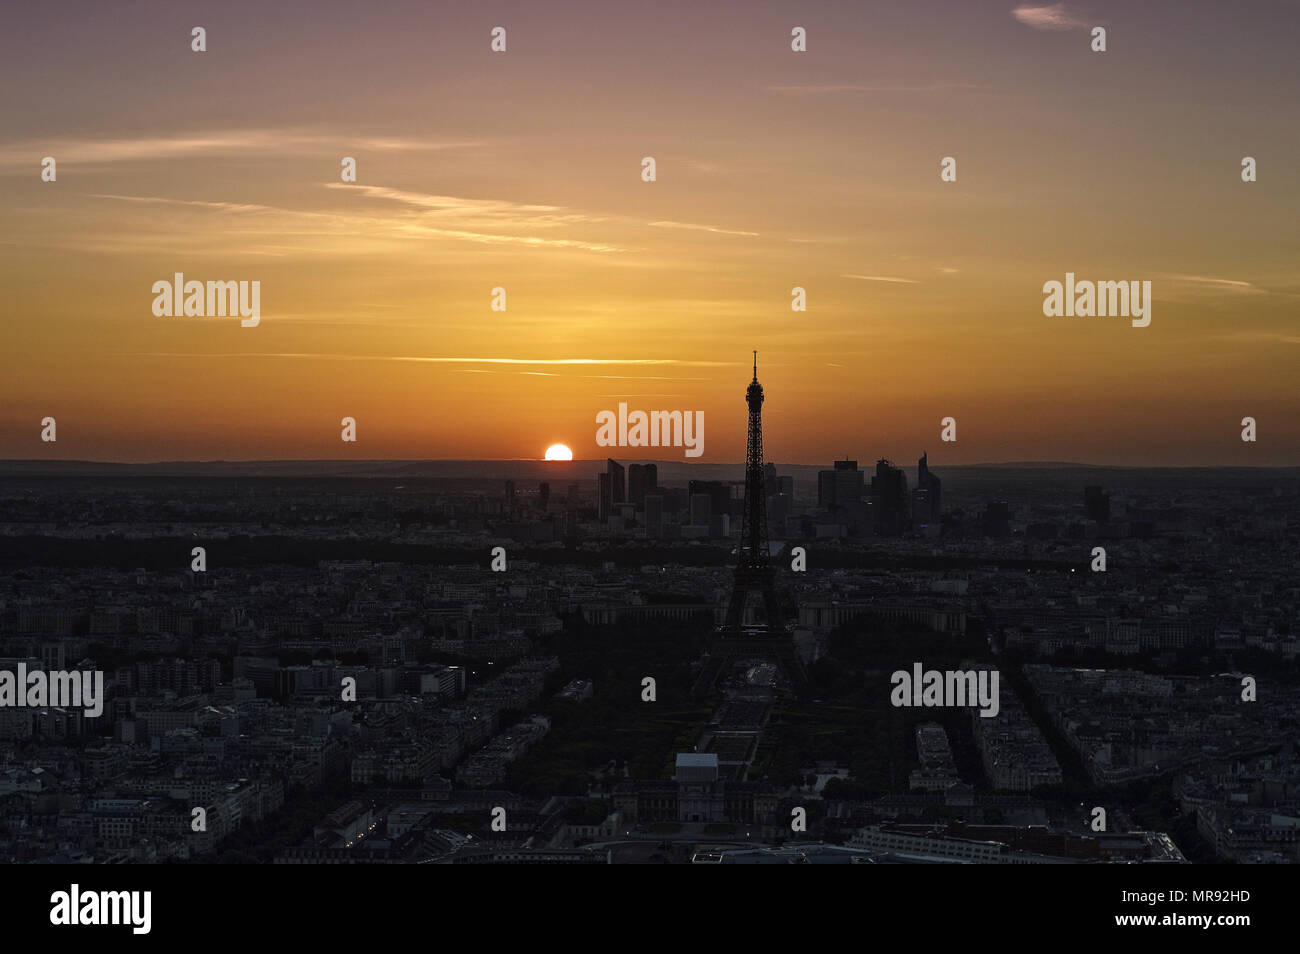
x=616, y=485
x=927, y=499
x=718, y=492
x=544, y=495
x=840, y=487
x=604, y=497
x=891, y=506
x=510, y=496
x=641, y=480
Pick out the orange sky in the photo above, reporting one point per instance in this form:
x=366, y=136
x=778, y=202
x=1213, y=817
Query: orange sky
x=775, y=169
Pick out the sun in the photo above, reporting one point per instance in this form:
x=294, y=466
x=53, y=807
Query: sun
x=558, y=452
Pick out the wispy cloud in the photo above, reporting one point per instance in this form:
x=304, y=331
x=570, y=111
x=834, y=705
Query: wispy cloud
x=1052, y=16
x=218, y=206
x=457, y=217
x=240, y=142
x=437, y=360
x=1224, y=284
x=420, y=215
x=483, y=210
x=700, y=228
x=883, y=278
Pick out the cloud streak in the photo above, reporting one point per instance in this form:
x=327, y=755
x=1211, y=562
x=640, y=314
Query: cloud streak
x=883, y=278
x=439, y=360
x=228, y=142
x=1052, y=16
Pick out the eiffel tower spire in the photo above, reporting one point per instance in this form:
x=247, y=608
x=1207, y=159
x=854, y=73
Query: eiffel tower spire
x=754, y=571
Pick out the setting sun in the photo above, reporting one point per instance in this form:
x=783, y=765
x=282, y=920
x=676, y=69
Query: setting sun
x=558, y=452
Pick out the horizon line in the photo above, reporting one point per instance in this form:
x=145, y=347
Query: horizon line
x=598, y=460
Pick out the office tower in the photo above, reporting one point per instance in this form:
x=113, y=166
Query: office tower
x=604, y=497
x=510, y=496
x=754, y=573
x=544, y=495
x=891, y=505
x=641, y=480
x=841, y=487
x=617, y=488
x=929, y=493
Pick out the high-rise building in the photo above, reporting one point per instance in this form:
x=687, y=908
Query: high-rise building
x=604, y=497
x=510, y=496
x=641, y=480
x=841, y=487
x=544, y=496
x=891, y=506
x=616, y=485
x=927, y=499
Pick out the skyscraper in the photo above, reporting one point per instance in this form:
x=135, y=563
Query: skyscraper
x=891, y=506
x=604, y=497
x=616, y=485
x=927, y=499
x=840, y=487
x=641, y=480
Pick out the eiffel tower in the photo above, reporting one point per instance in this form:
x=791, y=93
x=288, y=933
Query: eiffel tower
x=754, y=572
x=754, y=575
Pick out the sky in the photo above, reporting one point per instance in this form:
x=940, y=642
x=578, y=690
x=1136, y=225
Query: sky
x=774, y=169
